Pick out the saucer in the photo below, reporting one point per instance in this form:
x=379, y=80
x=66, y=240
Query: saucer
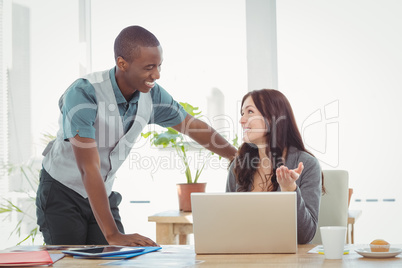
x=366, y=252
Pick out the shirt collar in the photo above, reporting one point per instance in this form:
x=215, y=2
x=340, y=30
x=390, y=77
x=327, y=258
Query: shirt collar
x=119, y=96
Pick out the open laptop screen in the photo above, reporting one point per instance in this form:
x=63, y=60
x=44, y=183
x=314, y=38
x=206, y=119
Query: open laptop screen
x=247, y=222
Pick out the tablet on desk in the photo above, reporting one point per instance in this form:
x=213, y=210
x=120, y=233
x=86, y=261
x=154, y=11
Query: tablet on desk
x=102, y=251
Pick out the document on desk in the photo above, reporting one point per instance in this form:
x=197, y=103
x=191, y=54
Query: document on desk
x=169, y=256
x=25, y=258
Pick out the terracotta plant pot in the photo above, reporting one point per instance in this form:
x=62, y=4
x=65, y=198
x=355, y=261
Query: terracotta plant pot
x=184, y=191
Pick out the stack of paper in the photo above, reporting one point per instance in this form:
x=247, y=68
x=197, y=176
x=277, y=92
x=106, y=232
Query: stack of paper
x=28, y=258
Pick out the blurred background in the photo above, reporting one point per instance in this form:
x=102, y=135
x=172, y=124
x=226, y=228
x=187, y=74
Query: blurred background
x=338, y=62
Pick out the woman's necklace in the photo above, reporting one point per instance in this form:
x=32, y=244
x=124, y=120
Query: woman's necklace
x=265, y=183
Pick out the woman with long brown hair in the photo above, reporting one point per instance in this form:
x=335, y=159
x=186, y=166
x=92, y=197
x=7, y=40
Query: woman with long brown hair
x=273, y=158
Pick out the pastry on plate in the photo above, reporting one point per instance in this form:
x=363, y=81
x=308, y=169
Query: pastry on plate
x=379, y=245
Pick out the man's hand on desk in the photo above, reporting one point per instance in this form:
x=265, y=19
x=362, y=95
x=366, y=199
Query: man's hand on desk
x=131, y=240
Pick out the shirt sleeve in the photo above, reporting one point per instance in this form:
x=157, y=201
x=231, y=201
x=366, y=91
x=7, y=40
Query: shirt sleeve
x=308, y=199
x=79, y=109
x=166, y=111
x=231, y=179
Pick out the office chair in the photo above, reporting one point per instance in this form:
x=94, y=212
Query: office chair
x=334, y=203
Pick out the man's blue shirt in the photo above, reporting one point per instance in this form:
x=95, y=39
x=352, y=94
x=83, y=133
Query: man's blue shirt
x=79, y=108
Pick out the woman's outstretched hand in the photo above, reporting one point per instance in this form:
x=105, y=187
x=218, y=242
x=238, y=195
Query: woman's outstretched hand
x=287, y=178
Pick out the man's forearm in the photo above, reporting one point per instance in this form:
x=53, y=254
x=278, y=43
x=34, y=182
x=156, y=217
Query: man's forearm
x=88, y=162
x=211, y=139
x=99, y=202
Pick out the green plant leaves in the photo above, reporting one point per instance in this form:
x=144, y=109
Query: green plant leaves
x=9, y=207
x=190, y=109
x=235, y=141
x=169, y=137
x=30, y=174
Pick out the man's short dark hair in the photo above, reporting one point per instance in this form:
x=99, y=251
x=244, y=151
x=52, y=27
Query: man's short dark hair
x=128, y=42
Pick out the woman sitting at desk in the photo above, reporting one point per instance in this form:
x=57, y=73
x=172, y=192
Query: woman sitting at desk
x=273, y=158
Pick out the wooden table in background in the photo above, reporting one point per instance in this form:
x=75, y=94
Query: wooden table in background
x=171, y=225
x=353, y=215
x=174, y=224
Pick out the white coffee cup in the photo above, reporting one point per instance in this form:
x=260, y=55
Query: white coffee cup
x=333, y=239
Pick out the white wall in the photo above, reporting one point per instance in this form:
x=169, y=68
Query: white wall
x=53, y=65
x=262, y=65
x=203, y=43
x=346, y=56
x=54, y=61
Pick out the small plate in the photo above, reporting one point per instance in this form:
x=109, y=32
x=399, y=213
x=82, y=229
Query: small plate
x=366, y=252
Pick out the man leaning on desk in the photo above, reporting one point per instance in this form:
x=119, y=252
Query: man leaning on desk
x=102, y=114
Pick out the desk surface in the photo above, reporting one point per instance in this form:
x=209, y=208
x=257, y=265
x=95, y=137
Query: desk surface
x=184, y=256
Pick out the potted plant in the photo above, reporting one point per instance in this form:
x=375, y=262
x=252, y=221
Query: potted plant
x=169, y=137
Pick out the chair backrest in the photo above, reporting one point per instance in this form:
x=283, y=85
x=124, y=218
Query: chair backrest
x=334, y=203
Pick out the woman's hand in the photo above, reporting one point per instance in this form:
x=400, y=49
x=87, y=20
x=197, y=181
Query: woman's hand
x=287, y=178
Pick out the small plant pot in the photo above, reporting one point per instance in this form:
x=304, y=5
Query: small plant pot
x=184, y=191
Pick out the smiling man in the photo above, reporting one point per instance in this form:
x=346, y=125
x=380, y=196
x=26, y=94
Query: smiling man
x=102, y=114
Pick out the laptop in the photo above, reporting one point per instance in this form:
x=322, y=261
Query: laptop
x=247, y=222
